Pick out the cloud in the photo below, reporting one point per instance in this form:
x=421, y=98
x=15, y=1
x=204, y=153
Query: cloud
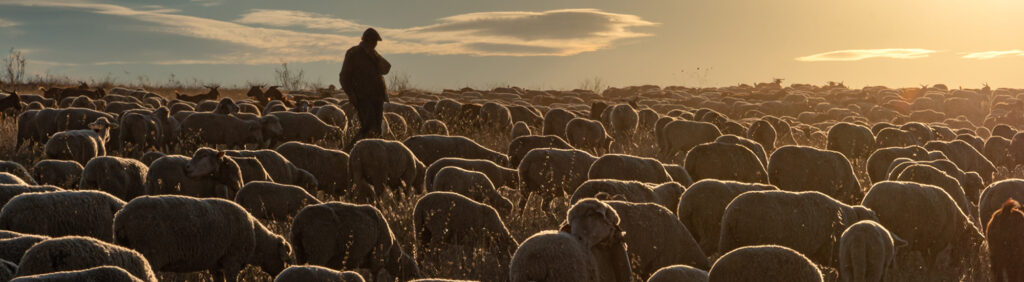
x=985, y=55
x=861, y=54
x=8, y=23
x=208, y=3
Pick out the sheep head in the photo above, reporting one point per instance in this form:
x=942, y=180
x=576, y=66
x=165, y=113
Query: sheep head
x=593, y=223
x=205, y=161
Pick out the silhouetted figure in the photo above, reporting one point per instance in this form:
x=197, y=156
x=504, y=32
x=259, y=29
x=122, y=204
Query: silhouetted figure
x=362, y=78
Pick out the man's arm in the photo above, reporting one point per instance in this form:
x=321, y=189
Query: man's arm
x=346, y=77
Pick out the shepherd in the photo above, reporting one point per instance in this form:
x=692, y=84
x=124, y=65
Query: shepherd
x=362, y=79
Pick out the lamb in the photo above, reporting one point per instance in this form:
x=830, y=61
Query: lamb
x=553, y=256
x=7, y=178
x=252, y=169
x=124, y=178
x=588, y=135
x=329, y=167
x=429, y=148
x=597, y=226
x=61, y=213
x=866, y=251
x=667, y=194
x=347, y=236
x=552, y=173
x=997, y=194
x=763, y=132
x=879, y=161
x=434, y=127
x=279, y=168
x=443, y=219
x=765, y=263
x=519, y=129
x=555, y=121
x=628, y=167
x=472, y=184
x=17, y=170
x=13, y=245
x=926, y=217
x=682, y=135
x=679, y=273
x=79, y=253
x=82, y=144
x=519, y=146
x=853, y=141
x=9, y=191
x=301, y=273
x=808, y=222
x=499, y=175
x=199, y=234
x=378, y=164
x=60, y=173
x=230, y=130
x=799, y=168
x=171, y=175
x=724, y=161
x=1003, y=236
x=702, y=205
x=100, y=273
x=268, y=200
x=307, y=128
x=656, y=238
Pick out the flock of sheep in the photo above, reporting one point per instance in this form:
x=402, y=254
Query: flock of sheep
x=742, y=183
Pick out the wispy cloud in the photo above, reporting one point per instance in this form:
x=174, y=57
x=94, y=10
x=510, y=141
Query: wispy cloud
x=862, y=54
x=8, y=23
x=208, y=3
x=272, y=36
x=985, y=55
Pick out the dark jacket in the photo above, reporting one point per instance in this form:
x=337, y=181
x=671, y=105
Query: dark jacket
x=362, y=74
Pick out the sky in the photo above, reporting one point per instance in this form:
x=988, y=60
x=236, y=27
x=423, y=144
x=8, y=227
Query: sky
x=538, y=44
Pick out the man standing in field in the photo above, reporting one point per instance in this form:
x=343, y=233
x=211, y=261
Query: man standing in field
x=362, y=78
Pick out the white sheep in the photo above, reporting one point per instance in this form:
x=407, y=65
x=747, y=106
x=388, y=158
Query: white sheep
x=100, y=273
x=280, y=169
x=429, y=148
x=588, y=135
x=8, y=178
x=702, y=204
x=679, y=273
x=328, y=166
x=82, y=144
x=629, y=167
x=302, y=273
x=764, y=263
x=124, y=178
x=666, y=194
x=268, y=200
x=378, y=164
x=499, y=175
x=17, y=170
x=552, y=173
x=13, y=245
x=167, y=176
x=445, y=221
x=597, y=226
x=62, y=213
x=185, y=234
x=77, y=253
x=553, y=256
x=655, y=238
x=866, y=251
x=472, y=184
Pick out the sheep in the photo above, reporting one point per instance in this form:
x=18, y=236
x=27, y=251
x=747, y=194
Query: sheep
x=444, y=219
x=230, y=130
x=7, y=178
x=78, y=253
x=268, y=200
x=78, y=118
x=61, y=213
x=926, y=217
x=499, y=175
x=519, y=129
x=679, y=273
x=347, y=236
x=965, y=157
x=281, y=169
x=997, y=194
x=765, y=263
x=724, y=161
x=17, y=170
x=997, y=150
x=588, y=135
x=754, y=147
x=894, y=137
x=171, y=175
x=552, y=173
x=13, y=245
x=434, y=127
x=853, y=141
x=429, y=148
x=681, y=135
x=808, y=222
x=519, y=146
x=879, y=161
x=7, y=270
x=667, y=194
x=329, y=167
x=555, y=121
x=702, y=205
x=9, y=191
x=1003, y=236
x=198, y=234
x=553, y=256
x=59, y=173
x=656, y=238
x=96, y=274
x=495, y=116
x=124, y=178
x=763, y=132
x=628, y=167
x=82, y=144
x=597, y=226
x=925, y=174
x=866, y=251
x=970, y=181
x=225, y=107
x=252, y=169
x=36, y=126
x=156, y=130
x=799, y=168
x=408, y=113
x=378, y=164
x=333, y=115
x=307, y=128
x=301, y=273
x=679, y=174
x=149, y=157
x=472, y=184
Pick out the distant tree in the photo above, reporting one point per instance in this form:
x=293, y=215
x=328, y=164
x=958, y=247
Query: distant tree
x=14, y=67
x=288, y=78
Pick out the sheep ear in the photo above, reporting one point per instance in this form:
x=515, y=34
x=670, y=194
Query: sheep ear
x=565, y=227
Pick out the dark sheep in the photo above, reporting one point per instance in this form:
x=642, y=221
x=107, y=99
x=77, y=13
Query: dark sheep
x=1003, y=236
